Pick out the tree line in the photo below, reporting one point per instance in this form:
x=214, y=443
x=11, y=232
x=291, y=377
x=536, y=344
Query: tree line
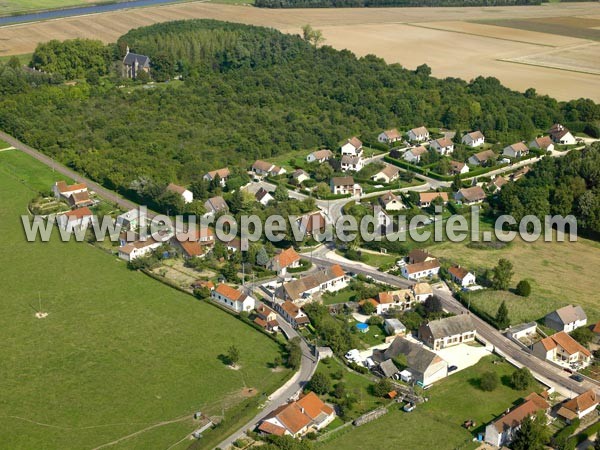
x=245, y=93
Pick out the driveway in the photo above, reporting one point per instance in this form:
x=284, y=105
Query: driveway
x=463, y=355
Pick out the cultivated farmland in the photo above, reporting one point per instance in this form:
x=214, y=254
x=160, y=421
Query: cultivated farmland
x=439, y=37
x=118, y=353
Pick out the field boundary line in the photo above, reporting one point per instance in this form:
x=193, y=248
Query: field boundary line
x=480, y=35
x=549, y=67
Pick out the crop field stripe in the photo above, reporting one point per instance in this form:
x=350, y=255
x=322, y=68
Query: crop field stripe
x=546, y=66
x=479, y=35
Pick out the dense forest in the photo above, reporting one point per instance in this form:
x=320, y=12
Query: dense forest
x=563, y=186
x=245, y=93
x=384, y=3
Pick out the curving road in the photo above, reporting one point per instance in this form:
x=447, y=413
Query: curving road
x=290, y=389
x=545, y=372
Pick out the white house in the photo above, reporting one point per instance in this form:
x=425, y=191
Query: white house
x=263, y=196
x=332, y=279
x=461, y=276
x=447, y=332
x=287, y=259
x=75, y=220
x=263, y=168
x=473, y=139
x=457, y=167
x=418, y=134
x=188, y=196
x=293, y=314
x=344, y=185
x=351, y=163
x=561, y=135
x=223, y=175
x=422, y=291
x=543, y=143
x=390, y=202
x=62, y=190
x=502, y=431
x=426, y=198
x=131, y=220
x=562, y=349
x=137, y=249
x=567, y=318
x=470, y=196
x=352, y=147
x=443, y=146
x=579, y=407
x=421, y=270
x=299, y=176
x=516, y=150
x=389, y=136
x=297, y=418
x=414, y=154
x=320, y=156
x=388, y=174
x=232, y=298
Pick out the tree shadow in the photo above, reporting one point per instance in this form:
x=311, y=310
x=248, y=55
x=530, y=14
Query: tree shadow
x=475, y=382
x=506, y=381
x=224, y=359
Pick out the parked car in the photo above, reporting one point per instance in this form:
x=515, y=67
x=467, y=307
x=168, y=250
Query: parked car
x=452, y=369
x=576, y=377
x=409, y=407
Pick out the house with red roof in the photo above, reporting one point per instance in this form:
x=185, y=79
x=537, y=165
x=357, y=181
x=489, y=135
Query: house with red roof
x=233, y=299
x=502, y=431
x=75, y=220
x=578, y=407
x=297, y=418
x=562, y=349
x=461, y=276
x=288, y=258
x=265, y=317
x=62, y=190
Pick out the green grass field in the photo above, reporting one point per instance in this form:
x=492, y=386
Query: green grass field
x=437, y=424
x=559, y=272
x=118, y=352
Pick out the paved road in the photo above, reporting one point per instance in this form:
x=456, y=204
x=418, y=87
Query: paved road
x=549, y=373
x=92, y=185
x=282, y=395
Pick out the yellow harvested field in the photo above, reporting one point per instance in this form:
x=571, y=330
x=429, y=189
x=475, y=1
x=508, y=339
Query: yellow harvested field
x=439, y=37
x=584, y=58
x=503, y=33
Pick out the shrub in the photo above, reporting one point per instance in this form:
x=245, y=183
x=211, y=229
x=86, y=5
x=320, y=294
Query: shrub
x=489, y=381
x=524, y=288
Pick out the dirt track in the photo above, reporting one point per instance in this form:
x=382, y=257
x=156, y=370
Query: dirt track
x=439, y=37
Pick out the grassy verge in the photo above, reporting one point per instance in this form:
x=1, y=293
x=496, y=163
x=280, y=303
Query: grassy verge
x=438, y=423
x=118, y=352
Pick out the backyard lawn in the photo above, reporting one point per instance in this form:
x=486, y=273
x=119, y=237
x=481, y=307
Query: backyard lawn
x=547, y=265
x=118, y=351
x=438, y=423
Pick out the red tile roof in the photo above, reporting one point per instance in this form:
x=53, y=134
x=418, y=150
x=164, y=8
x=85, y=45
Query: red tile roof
x=287, y=257
x=230, y=293
x=532, y=404
x=78, y=213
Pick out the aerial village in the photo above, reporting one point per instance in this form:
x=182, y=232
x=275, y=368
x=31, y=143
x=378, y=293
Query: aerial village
x=409, y=325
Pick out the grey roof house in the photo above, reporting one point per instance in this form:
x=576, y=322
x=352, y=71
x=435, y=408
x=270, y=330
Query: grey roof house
x=566, y=318
x=425, y=366
x=447, y=332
